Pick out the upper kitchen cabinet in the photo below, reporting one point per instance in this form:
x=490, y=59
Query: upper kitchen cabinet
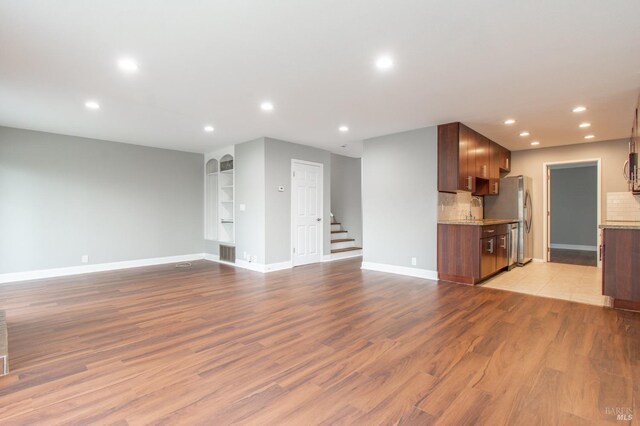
x=504, y=159
x=468, y=161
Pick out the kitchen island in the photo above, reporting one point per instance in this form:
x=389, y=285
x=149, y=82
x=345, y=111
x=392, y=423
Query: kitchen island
x=620, y=256
x=470, y=251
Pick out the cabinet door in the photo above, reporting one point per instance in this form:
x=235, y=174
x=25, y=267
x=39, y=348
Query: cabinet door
x=467, y=159
x=502, y=251
x=505, y=159
x=621, y=264
x=487, y=256
x=448, y=157
x=495, y=156
x=482, y=156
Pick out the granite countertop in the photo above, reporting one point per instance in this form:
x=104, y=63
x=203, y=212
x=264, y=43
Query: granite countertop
x=612, y=224
x=478, y=222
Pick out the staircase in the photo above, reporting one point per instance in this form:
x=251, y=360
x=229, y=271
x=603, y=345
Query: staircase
x=341, y=245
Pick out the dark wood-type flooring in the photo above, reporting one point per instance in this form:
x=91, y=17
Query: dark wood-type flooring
x=319, y=344
x=574, y=257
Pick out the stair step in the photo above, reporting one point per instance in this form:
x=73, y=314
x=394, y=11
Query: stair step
x=343, y=240
x=339, y=232
x=345, y=249
x=336, y=223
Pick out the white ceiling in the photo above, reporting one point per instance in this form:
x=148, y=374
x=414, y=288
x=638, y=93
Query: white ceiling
x=214, y=62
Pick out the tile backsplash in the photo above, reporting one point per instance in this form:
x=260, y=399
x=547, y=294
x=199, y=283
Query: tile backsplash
x=456, y=206
x=623, y=206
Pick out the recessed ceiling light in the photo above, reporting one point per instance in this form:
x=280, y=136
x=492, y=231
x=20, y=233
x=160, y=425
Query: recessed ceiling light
x=579, y=109
x=509, y=121
x=584, y=125
x=127, y=65
x=525, y=133
x=266, y=106
x=343, y=128
x=208, y=129
x=534, y=143
x=92, y=105
x=384, y=62
x=589, y=137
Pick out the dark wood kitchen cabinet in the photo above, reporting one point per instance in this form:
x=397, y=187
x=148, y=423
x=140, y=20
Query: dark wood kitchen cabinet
x=620, y=255
x=468, y=254
x=487, y=257
x=502, y=251
x=468, y=161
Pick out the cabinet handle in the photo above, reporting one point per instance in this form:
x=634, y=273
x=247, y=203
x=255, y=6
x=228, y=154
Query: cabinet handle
x=469, y=186
x=507, y=161
x=495, y=187
x=490, y=231
x=490, y=249
x=504, y=242
x=601, y=250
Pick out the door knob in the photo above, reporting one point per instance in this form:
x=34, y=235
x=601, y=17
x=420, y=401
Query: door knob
x=319, y=219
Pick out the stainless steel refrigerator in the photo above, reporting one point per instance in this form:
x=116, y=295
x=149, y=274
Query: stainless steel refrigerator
x=514, y=202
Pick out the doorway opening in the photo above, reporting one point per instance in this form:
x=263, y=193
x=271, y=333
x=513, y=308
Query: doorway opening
x=573, y=212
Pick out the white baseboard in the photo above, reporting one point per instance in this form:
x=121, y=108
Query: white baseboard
x=401, y=270
x=537, y=260
x=261, y=267
x=339, y=256
x=99, y=267
x=211, y=257
x=574, y=247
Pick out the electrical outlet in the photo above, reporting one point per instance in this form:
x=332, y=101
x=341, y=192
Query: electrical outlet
x=414, y=261
x=85, y=258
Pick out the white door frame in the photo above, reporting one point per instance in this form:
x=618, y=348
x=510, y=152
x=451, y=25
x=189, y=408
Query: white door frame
x=320, y=209
x=546, y=226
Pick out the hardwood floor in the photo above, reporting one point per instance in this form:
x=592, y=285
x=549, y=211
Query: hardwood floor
x=319, y=344
x=574, y=257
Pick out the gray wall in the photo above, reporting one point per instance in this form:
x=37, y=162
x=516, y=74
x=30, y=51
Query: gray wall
x=574, y=204
x=346, y=194
x=400, y=198
x=249, y=164
x=278, y=155
x=62, y=197
x=529, y=163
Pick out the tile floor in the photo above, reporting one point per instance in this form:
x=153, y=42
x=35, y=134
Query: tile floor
x=575, y=283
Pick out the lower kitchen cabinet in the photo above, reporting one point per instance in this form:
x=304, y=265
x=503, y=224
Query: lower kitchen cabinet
x=502, y=251
x=620, y=255
x=470, y=253
x=487, y=256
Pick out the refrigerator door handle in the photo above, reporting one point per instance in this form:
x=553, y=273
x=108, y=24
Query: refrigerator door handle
x=529, y=216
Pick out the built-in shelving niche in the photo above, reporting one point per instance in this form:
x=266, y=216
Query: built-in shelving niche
x=211, y=199
x=226, y=202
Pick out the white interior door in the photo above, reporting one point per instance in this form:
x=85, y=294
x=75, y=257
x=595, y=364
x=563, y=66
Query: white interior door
x=306, y=203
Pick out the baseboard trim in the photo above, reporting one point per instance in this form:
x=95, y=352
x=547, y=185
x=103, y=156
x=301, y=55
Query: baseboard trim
x=211, y=257
x=98, y=267
x=339, y=256
x=401, y=270
x=574, y=247
x=260, y=267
